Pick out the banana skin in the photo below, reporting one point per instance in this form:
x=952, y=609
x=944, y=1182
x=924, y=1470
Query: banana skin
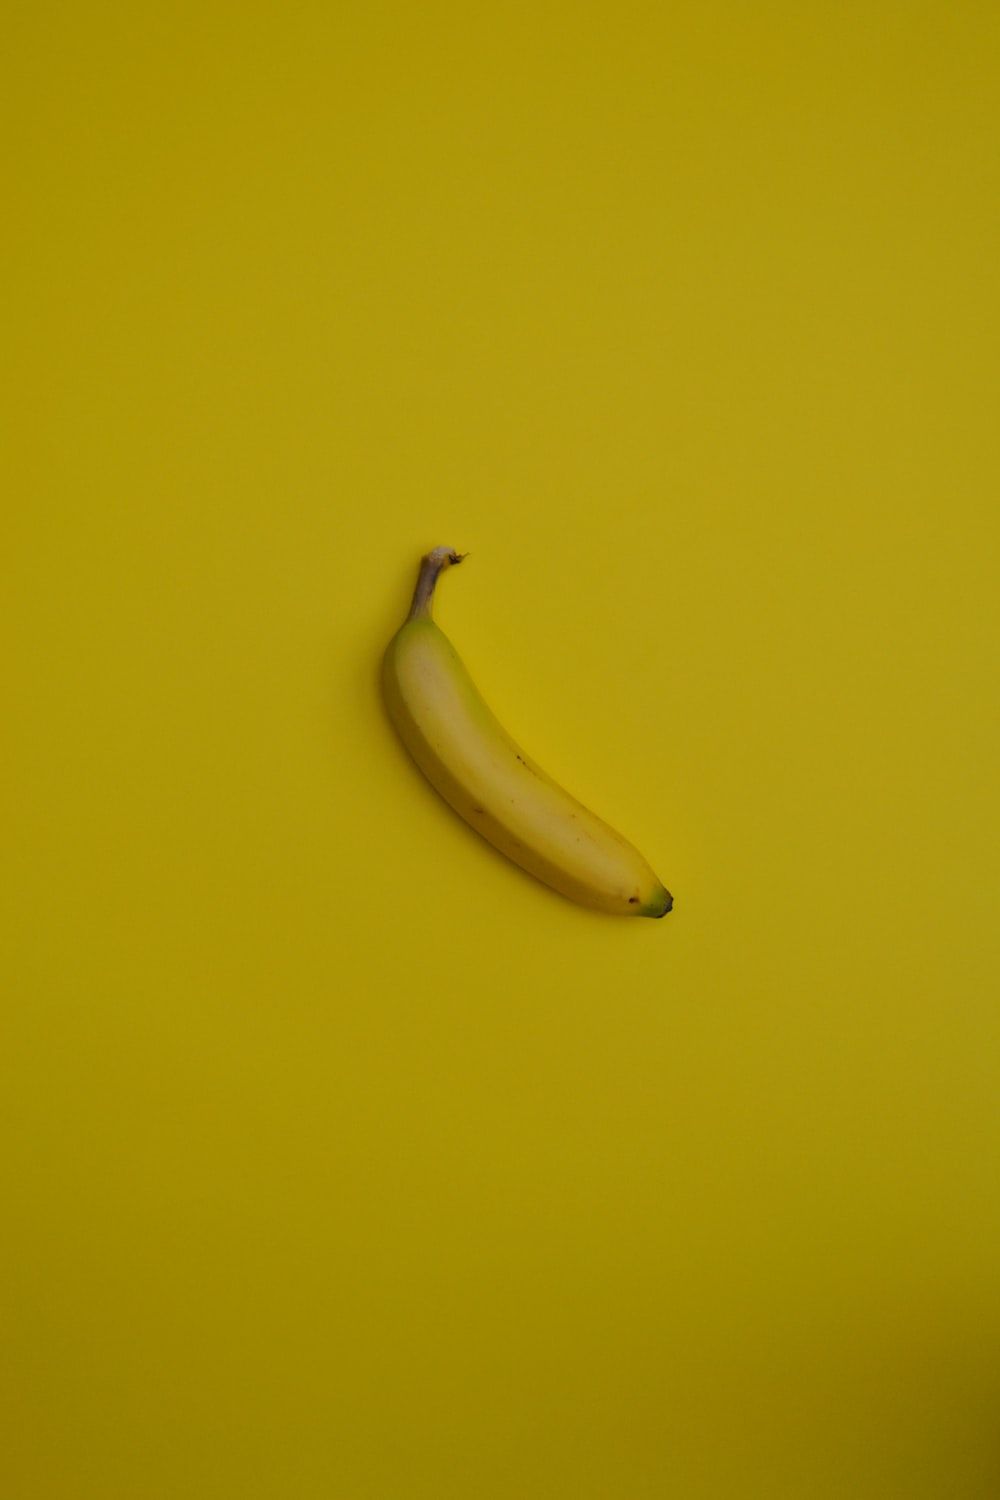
x=468, y=756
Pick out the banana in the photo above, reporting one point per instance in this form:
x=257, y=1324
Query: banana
x=469, y=757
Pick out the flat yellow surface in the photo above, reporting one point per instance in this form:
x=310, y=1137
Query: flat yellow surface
x=341, y=1161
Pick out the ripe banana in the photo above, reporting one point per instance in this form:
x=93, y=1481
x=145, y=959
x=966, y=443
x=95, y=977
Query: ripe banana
x=472, y=761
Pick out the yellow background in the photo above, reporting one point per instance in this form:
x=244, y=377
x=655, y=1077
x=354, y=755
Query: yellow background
x=341, y=1159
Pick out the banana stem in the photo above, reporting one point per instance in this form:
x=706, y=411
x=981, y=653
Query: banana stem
x=431, y=567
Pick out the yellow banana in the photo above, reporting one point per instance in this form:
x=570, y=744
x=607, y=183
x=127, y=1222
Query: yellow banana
x=472, y=761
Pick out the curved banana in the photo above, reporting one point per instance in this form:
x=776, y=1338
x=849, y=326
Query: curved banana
x=472, y=761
